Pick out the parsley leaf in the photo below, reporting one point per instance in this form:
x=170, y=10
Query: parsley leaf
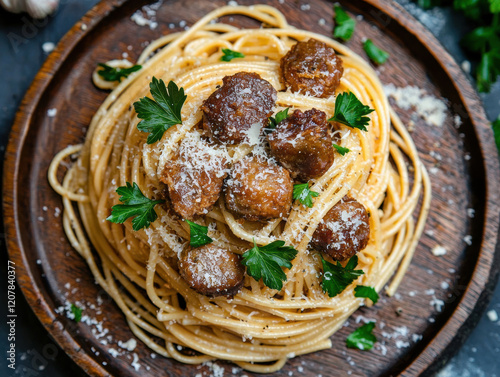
x=496, y=131
x=488, y=70
x=303, y=194
x=341, y=150
x=344, y=25
x=134, y=204
x=366, y=292
x=336, y=278
x=471, y=8
x=266, y=261
x=362, y=338
x=376, y=54
x=198, y=234
x=494, y=6
x=77, y=313
x=350, y=111
x=280, y=115
x=109, y=73
x=230, y=55
x=163, y=112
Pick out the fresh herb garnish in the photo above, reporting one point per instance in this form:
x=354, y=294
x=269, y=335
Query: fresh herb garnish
x=134, y=204
x=344, y=25
x=230, y=55
x=336, y=278
x=362, y=338
x=198, y=234
x=350, y=111
x=280, y=115
x=303, y=194
x=341, y=150
x=376, y=54
x=366, y=292
x=484, y=40
x=496, y=131
x=77, y=313
x=163, y=112
x=266, y=261
x=109, y=73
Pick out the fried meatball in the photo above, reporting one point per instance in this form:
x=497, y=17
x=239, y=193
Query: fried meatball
x=343, y=231
x=244, y=101
x=312, y=68
x=194, y=176
x=258, y=190
x=211, y=270
x=302, y=143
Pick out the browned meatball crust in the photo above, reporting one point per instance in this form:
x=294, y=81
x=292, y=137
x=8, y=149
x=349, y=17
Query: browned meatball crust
x=312, y=68
x=302, y=143
x=343, y=231
x=211, y=270
x=194, y=177
x=258, y=190
x=243, y=101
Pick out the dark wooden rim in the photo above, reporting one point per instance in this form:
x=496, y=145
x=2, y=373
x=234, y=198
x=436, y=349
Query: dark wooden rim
x=432, y=357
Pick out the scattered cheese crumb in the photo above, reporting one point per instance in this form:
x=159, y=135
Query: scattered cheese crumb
x=468, y=239
x=434, y=170
x=146, y=16
x=48, y=47
x=51, y=113
x=128, y=345
x=416, y=337
x=437, y=304
x=428, y=107
x=492, y=315
x=113, y=352
x=466, y=66
x=135, y=362
x=439, y=251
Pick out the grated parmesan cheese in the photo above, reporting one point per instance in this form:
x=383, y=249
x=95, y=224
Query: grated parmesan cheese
x=428, y=107
x=439, y=251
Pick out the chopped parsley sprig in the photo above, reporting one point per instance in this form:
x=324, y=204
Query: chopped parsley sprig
x=341, y=150
x=375, y=53
x=230, y=55
x=109, y=73
x=362, y=338
x=198, y=235
x=163, y=112
x=336, y=278
x=349, y=110
x=366, y=292
x=77, y=313
x=280, y=115
x=496, y=131
x=344, y=25
x=484, y=40
x=135, y=205
x=304, y=194
x=266, y=261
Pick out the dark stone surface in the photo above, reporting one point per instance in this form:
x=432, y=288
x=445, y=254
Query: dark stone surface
x=21, y=56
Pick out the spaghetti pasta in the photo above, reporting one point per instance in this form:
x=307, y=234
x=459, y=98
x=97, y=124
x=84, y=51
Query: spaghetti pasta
x=260, y=328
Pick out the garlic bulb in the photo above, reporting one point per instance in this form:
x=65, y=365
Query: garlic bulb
x=35, y=8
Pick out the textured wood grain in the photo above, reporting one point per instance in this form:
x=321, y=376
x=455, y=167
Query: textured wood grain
x=467, y=177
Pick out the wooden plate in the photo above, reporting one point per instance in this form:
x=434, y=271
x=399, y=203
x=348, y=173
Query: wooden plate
x=465, y=177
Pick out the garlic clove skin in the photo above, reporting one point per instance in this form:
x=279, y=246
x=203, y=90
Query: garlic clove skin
x=41, y=8
x=35, y=8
